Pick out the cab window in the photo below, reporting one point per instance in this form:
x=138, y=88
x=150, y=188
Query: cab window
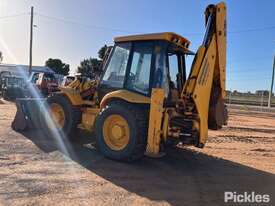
x=139, y=74
x=161, y=69
x=173, y=69
x=116, y=69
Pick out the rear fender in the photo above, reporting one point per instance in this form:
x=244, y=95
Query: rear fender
x=125, y=95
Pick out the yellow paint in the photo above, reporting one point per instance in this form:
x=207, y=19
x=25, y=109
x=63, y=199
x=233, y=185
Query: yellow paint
x=88, y=118
x=124, y=95
x=73, y=95
x=116, y=132
x=171, y=37
x=191, y=81
x=58, y=115
x=208, y=67
x=221, y=43
x=74, y=89
x=202, y=89
x=155, y=120
x=165, y=125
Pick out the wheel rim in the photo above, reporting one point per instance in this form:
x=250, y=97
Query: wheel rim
x=57, y=115
x=116, y=132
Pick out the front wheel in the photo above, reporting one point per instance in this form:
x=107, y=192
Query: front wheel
x=121, y=131
x=61, y=116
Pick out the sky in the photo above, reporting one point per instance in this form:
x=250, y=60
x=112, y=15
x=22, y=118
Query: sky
x=72, y=30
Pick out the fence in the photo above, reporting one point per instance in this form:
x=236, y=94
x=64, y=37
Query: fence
x=254, y=100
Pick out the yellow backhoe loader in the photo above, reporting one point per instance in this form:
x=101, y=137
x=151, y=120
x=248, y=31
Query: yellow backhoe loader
x=144, y=99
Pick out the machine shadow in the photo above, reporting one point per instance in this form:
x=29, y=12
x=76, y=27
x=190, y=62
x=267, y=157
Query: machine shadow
x=182, y=177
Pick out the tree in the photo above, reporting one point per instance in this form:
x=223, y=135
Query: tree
x=1, y=57
x=102, y=51
x=58, y=66
x=90, y=67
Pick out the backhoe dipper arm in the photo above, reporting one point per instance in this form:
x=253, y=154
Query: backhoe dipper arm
x=204, y=90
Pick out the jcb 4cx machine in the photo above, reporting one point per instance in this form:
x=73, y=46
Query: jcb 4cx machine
x=144, y=100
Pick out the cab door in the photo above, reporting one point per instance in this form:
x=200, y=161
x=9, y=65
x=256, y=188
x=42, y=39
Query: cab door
x=115, y=70
x=177, y=74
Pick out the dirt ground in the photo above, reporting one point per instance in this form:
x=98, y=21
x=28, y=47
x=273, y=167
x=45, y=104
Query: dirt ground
x=39, y=170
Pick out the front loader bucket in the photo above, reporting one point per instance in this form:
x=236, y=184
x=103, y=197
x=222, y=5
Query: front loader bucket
x=28, y=114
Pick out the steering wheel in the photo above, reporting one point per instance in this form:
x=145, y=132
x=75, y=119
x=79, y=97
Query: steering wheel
x=132, y=76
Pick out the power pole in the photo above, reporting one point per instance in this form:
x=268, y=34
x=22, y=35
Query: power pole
x=272, y=82
x=31, y=34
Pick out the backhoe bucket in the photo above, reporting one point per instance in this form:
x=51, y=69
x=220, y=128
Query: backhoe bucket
x=28, y=114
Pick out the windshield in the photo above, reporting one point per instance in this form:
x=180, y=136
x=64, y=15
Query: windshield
x=116, y=69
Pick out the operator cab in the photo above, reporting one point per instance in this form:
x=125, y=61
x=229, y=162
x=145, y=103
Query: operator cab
x=142, y=62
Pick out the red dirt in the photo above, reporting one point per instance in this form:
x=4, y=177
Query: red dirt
x=35, y=171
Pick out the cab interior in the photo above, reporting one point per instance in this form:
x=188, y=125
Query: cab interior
x=139, y=66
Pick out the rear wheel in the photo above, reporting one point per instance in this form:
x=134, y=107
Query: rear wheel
x=61, y=117
x=121, y=131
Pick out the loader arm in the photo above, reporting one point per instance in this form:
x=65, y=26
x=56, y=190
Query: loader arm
x=204, y=91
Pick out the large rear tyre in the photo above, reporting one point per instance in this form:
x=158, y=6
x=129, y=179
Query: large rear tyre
x=62, y=117
x=121, y=131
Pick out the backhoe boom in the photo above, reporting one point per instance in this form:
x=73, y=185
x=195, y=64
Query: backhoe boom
x=205, y=87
